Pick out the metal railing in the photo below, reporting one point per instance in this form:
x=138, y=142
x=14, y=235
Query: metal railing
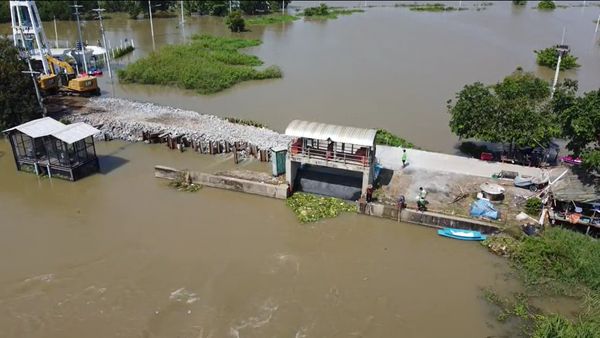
x=330, y=156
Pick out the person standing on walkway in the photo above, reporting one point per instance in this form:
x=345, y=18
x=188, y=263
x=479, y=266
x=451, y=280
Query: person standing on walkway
x=404, y=158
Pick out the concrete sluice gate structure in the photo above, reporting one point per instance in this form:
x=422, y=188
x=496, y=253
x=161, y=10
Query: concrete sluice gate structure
x=330, y=160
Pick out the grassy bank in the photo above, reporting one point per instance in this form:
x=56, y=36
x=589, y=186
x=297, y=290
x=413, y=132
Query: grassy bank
x=270, y=19
x=384, y=137
x=560, y=262
x=207, y=64
x=310, y=208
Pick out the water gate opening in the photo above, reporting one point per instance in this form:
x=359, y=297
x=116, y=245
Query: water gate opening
x=344, y=184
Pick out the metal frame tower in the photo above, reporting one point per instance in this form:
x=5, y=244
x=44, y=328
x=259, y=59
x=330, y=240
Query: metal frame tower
x=25, y=18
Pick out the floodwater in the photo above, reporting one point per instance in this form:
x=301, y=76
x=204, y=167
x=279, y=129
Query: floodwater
x=120, y=254
x=388, y=67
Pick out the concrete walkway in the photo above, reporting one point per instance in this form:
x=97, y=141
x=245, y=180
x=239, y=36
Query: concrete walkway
x=391, y=158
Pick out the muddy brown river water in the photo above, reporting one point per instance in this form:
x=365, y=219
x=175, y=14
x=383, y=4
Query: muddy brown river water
x=120, y=254
x=388, y=67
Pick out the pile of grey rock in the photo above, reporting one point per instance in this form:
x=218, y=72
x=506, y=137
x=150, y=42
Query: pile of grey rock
x=126, y=120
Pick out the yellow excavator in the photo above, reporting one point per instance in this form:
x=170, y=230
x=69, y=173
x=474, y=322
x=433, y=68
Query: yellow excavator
x=71, y=84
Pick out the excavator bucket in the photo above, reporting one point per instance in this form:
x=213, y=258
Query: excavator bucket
x=48, y=82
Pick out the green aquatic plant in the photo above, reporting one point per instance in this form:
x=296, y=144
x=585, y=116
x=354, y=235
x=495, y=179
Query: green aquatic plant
x=271, y=19
x=310, y=208
x=208, y=64
x=384, y=137
x=548, y=57
x=546, y=5
x=435, y=7
x=119, y=52
x=183, y=182
x=325, y=12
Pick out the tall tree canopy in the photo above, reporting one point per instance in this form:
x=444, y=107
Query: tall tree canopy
x=514, y=111
x=18, y=103
x=580, y=121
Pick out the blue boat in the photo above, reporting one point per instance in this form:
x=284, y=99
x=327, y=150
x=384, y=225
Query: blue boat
x=465, y=235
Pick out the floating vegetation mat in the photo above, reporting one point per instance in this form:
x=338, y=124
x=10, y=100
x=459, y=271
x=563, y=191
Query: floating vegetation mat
x=208, y=65
x=310, y=208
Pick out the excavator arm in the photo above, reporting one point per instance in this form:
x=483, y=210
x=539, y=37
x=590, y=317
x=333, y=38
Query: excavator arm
x=62, y=64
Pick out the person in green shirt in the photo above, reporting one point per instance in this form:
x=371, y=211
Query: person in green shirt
x=404, y=158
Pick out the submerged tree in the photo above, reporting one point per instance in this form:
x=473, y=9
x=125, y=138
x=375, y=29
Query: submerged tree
x=519, y=2
x=546, y=4
x=548, y=57
x=514, y=111
x=18, y=103
x=235, y=22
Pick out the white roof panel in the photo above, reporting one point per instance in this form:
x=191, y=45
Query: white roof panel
x=323, y=131
x=38, y=128
x=75, y=132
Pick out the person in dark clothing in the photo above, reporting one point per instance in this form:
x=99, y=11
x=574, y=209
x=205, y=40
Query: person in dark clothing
x=369, y=193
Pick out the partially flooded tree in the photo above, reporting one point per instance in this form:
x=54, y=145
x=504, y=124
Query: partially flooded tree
x=235, y=22
x=515, y=111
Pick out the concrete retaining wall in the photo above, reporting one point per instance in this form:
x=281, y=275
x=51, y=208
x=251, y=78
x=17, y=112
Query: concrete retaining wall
x=223, y=182
x=430, y=219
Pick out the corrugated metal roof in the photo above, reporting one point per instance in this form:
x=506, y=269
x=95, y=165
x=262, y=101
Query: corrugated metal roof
x=577, y=186
x=38, y=128
x=75, y=132
x=48, y=126
x=323, y=131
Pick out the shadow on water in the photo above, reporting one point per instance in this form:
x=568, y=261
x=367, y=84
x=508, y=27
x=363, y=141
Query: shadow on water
x=108, y=163
x=2, y=154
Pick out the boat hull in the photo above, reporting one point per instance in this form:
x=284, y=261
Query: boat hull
x=464, y=235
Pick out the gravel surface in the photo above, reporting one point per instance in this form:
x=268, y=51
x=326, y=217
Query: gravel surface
x=126, y=120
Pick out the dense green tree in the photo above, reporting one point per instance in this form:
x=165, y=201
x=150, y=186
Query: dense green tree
x=235, y=22
x=519, y=2
x=580, y=122
x=515, y=111
x=548, y=57
x=18, y=103
x=546, y=4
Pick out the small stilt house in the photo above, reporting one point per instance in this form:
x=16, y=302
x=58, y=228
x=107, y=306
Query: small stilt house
x=46, y=146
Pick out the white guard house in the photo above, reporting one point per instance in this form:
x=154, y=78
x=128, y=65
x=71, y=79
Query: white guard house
x=339, y=157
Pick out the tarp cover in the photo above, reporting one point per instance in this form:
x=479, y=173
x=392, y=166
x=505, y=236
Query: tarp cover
x=484, y=208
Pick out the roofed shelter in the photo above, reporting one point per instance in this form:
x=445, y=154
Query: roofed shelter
x=47, y=146
x=576, y=199
x=331, y=146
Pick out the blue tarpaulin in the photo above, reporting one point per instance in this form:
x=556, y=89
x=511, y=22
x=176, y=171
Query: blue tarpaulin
x=484, y=208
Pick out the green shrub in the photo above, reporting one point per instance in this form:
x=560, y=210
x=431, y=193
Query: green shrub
x=555, y=326
x=436, y=7
x=321, y=10
x=519, y=2
x=546, y=4
x=208, y=64
x=533, y=206
x=548, y=57
x=235, y=22
x=123, y=51
x=384, y=137
x=310, y=208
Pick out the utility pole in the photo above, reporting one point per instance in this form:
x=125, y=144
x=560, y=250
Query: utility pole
x=229, y=6
x=282, y=7
x=55, y=34
x=597, y=23
x=76, y=6
x=182, y=18
x=27, y=57
x=151, y=25
x=106, y=58
x=562, y=49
